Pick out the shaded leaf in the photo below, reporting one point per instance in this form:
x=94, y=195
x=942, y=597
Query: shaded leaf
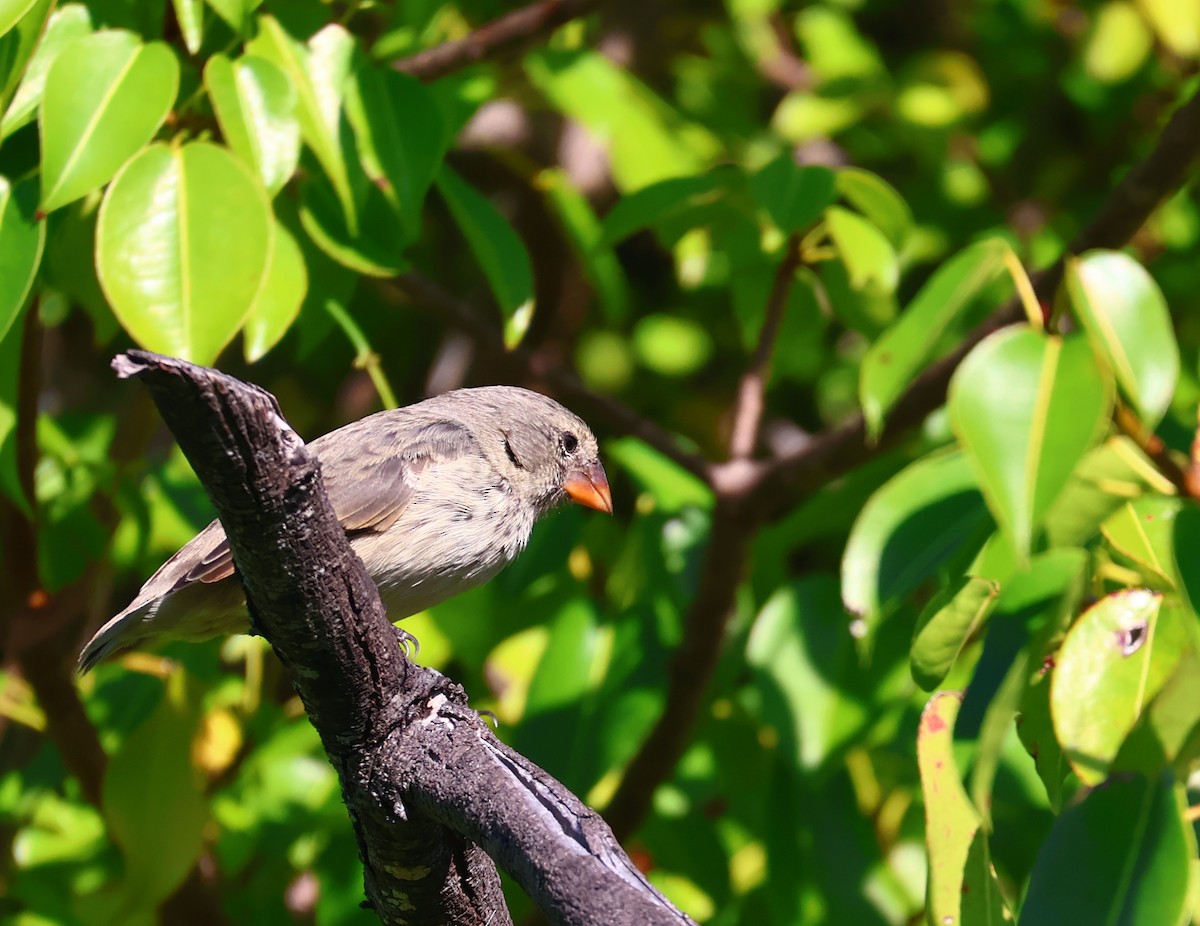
x=22, y=237
x=1027, y=407
x=793, y=196
x=875, y=198
x=182, y=247
x=1119, y=857
x=955, y=615
x=10, y=377
x=497, y=247
x=1125, y=315
x=375, y=249
x=922, y=516
x=105, y=97
x=1142, y=531
x=662, y=201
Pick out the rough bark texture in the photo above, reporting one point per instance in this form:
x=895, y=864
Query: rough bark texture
x=422, y=776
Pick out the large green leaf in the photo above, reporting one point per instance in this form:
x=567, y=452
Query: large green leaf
x=1142, y=532
x=907, y=346
x=318, y=72
x=153, y=802
x=105, y=97
x=875, y=198
x=67, y=23
x=183, y=243
x=1113, y=662
x=960, y=872
x=497, y=247
x=189, y=14
x=955, y=615
x=375, y=247
x=793, y=196
x=922, y=516
x=256, y=109
x=1027, y=407
x=1119, y=858
x=401, y=137
x=870, y=259
x=22, y=236
x=280, y=297
x=18, y=40
x=1126, y=316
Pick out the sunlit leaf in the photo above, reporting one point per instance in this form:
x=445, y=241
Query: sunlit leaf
x=875, y=198
x=318, y=73
x=497, y=247
x=255, y=106
x=919, y=518
x=1125, y=315
x=1142, y=531
x=1121, y=856
x=67, y=23
x=18, y=43
x=908, y=345
x=280, y=297
x=1112, y=663
x=1026, y=407
x=11, y=11
x=189, y=14
x=105, y=97
x=182, y=247
x=960, y=870
x=869, y=257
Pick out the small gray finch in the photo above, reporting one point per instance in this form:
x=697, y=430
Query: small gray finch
x=435, y=498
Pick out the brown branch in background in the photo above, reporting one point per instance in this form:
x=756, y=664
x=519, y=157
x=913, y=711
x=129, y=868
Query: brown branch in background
x=524, y=364
x=751, y=397
x=507, y=33
x=1186, y=481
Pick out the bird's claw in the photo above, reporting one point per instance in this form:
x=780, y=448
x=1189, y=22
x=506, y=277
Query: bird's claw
x=410, y=644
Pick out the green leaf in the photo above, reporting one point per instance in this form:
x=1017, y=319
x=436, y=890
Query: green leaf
x=1124, y=313
x=10, y=379
x=152, y=799
x=672, y=486
x=663, y=201
x=11, y=11
x=279, y=299
x=236, y=13
x=401, y=137
x=586, y=235
x=875, y=198
x=318, y=72
x=497, y=247
x=182, y=247
x=376, y=249
x=802, y=654
x=67, y=23
x=1185, y=546
x=105, y=97
x=919, y=518
x=256, y=109
x=1168, y=734
x=869, y=257
x=908, y=345
x=1112, y=663
x=1035, y=727
x=18, y=42
x=793, y=196
x=22, y=236
x=1120, y=857
x=189, y=14
x=1142, y=532
x=1027, y=407
x=646, y=139
x=960, y=871
x=956, y=614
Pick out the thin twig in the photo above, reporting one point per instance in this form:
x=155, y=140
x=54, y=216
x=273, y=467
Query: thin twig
x=511, y=31
x=748, y=412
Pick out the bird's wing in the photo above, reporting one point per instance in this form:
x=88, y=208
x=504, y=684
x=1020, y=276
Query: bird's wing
x=371, y=473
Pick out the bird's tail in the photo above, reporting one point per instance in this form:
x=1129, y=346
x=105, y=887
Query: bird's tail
x=114, y=637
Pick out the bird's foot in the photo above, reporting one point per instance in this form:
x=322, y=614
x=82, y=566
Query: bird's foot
x=407, y=642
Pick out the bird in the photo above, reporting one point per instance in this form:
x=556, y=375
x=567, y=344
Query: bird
x=435, y=497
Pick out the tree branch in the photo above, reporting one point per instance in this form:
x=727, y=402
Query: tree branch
x=421, y=774
x=511, y=31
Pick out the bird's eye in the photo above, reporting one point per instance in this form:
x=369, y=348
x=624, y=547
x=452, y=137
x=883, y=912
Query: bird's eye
x=570, y=443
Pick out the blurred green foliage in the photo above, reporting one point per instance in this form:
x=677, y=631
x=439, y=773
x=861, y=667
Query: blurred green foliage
x=253, y=184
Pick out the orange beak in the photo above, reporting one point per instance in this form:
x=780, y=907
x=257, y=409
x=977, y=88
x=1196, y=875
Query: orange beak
x=588, y=486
